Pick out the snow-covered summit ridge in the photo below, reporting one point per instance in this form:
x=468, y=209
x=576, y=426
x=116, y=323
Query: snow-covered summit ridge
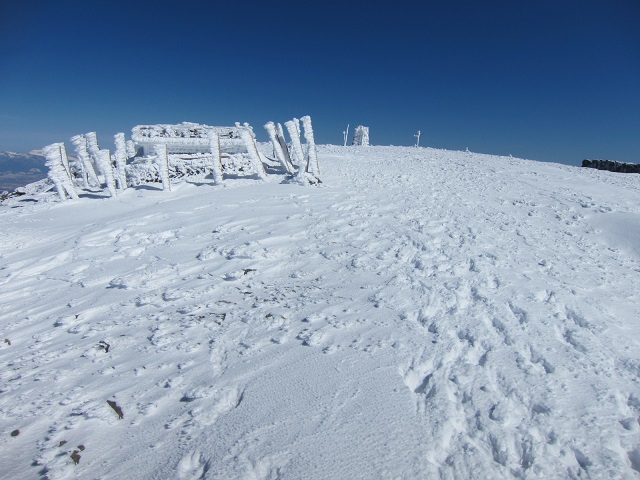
x=426, y=314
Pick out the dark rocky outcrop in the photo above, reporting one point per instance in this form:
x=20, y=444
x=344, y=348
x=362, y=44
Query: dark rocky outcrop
x=612, y=166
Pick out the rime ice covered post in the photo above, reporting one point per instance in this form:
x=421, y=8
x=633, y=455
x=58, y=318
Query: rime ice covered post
x=121, y=160
x=88, y=172
x=65, y=159
x=58, y=172
x=346, y=135
x=361, y=136
x=297, y=124
x=280, y=131
x=94, y=153
x=247, y=138
x=283, y=144
x=104, y=162
x=283, y=157
x=163, y=165
x=312, y=154
x=92, y=145
x=296, y=146
x=417, y=135
x=216, y=163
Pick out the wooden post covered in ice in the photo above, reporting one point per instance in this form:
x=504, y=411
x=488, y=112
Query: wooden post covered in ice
x=281, y=154
x=94, y=153
x=252, y=149
x=296, y=146
x=104, y=162
x=121, y=160
x=312, y=154
x=92, y=146
x=89, y=176
x=163, y=165
x=59, y=172
x=283, y=143
x=216, y=162
x=65, y=159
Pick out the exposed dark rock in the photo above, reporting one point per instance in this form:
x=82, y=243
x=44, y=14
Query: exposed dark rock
x=612, y=166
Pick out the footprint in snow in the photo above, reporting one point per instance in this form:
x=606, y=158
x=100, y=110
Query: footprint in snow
x=193, y=466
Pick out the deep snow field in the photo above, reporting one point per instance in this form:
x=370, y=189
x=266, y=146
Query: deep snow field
x=423, y=314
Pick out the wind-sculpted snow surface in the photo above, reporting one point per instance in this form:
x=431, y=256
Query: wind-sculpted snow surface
x=424, y=314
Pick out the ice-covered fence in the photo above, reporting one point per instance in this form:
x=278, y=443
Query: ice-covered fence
x=92, y=147
x=185, y=138
x=216, y=160
x=59, y=172
x=120, y=157
x=162, y=152
x=190, y=150
x=162, y=160
x=279, y=147
x=89, y=177
x=361, y=136
x=296, y=147
x=252, y=149
x=312, y=154
x=104, y=163
x=305, y=164
x=102, y=159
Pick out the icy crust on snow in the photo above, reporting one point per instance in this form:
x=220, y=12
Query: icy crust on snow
x=426, y=314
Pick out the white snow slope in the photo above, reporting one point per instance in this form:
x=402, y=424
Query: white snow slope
x=424, y=314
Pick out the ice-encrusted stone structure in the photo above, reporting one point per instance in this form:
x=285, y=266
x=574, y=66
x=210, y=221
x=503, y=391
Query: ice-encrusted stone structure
x=361, y=136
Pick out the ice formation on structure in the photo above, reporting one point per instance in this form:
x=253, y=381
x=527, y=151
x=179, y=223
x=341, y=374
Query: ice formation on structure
x=163, y=165
x=280, y=149
x=90, y=179
x=312, y=156
x=160, y=153
x=216, y=160
x=121, y=160
x=59, y=170
x=296, y=147
x=104, y=159
x=361, y=136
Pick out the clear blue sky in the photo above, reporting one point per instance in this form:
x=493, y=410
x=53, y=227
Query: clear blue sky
x=554, y=80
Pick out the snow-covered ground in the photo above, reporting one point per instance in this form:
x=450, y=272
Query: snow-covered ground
x=423, y=314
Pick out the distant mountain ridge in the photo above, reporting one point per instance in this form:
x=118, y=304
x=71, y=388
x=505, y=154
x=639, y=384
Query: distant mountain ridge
x=22, y=162
x=19, y=169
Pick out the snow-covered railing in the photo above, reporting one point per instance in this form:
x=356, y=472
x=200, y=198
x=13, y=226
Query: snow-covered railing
x=185, y=137
x=162, y=153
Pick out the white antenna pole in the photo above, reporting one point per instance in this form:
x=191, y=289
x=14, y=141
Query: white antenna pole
x=346, y=135
x=417, y=135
